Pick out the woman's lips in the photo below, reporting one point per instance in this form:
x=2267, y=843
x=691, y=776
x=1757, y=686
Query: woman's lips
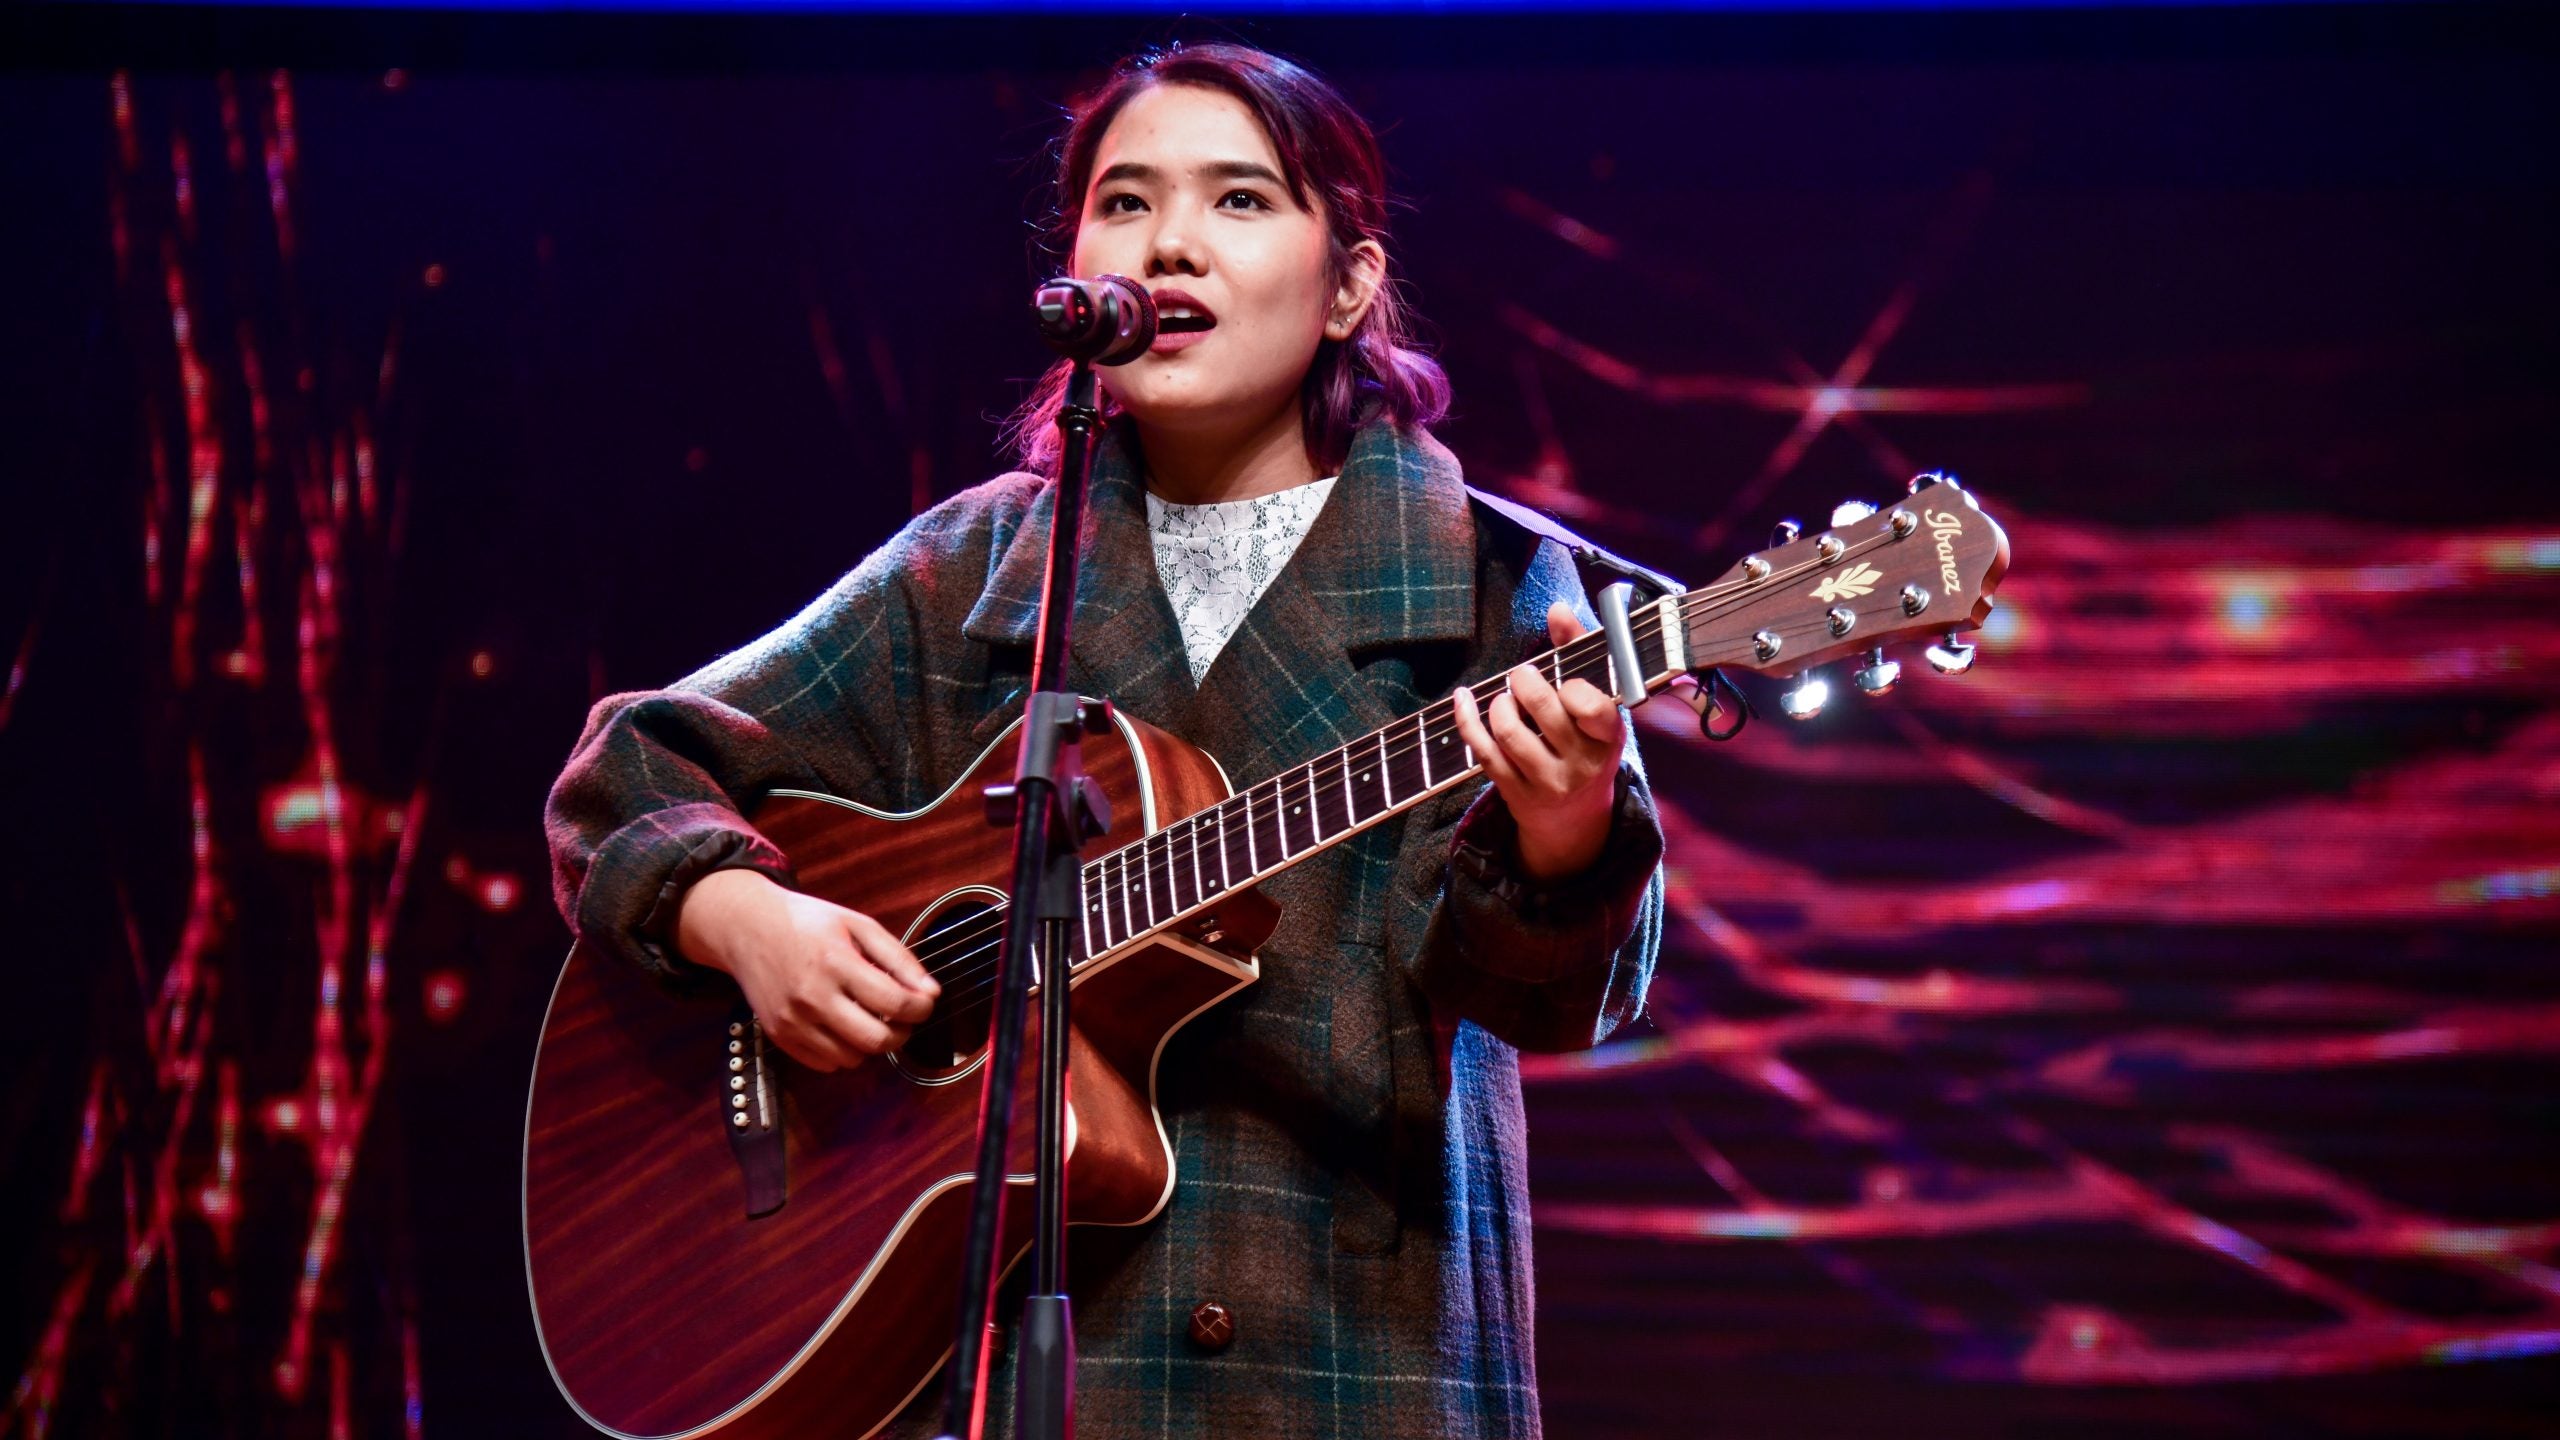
x=1174, y=335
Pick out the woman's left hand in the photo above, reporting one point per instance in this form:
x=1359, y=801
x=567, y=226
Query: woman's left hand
x=1554, y=756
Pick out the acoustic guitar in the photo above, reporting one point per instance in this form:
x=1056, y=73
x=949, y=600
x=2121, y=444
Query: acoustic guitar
x=720, y=1243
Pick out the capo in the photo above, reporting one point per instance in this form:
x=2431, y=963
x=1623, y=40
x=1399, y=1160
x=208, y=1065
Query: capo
x=1611, y=602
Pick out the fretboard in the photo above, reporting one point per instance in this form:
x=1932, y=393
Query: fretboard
x=1189, y=865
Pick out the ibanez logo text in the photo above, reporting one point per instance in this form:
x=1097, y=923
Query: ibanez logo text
x=1944, y=527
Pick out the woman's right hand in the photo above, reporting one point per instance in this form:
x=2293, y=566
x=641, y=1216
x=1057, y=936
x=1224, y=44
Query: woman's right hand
x=831, y=986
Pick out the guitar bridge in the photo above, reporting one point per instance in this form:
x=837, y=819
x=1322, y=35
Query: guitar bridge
x=751, y=1112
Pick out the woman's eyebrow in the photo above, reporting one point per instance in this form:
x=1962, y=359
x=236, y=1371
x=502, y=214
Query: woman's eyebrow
x=1215, y=170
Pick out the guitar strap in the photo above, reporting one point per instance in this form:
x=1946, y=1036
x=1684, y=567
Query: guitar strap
x=1548, y=527
x=1721, y=708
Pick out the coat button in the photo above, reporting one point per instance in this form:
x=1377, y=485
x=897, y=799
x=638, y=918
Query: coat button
x=1213, y=1326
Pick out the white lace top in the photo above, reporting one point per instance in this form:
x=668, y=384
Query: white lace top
x=1216, y=560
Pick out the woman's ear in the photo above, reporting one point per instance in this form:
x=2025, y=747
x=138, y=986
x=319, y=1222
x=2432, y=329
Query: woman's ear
x=1358, y=290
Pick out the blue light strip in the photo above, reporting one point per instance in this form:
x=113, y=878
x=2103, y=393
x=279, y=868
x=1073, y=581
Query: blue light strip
x=1245, y=7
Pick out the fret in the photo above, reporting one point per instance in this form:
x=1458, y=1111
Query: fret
x=1386, y=772
x=1128, y=913
x=1169, y=842
x=1406, y=765
x=1597, y=668
x=1240, y=808
x=1263, y=800
x=1224, y=883
x=1252, y=859
x=1289, y=807
x=1422, y=747
x=1133, y=885
x=1327, y=792
x=1451, y=756
x=1368, y=787
x=1086, y=882
x=1157, y=909
x=1189, y=839
x=1145, y=882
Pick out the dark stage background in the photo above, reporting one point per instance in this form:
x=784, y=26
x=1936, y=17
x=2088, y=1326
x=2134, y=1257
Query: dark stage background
x=2150, y=1034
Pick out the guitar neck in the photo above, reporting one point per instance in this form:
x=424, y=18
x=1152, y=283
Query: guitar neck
x=1247, y=838
x=1874, y=578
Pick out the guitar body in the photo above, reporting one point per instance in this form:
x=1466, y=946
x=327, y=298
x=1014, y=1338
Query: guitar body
x=663, y=1306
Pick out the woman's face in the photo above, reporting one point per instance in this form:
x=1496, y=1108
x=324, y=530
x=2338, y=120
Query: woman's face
x=1187, y=198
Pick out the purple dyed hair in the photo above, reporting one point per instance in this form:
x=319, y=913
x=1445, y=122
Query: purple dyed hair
x=1327, y=153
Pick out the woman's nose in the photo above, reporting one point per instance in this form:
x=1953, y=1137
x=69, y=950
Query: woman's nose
x=1173, y=252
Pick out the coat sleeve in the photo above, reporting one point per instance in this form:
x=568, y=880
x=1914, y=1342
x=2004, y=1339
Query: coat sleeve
x=651, y=797
x=1558, y=965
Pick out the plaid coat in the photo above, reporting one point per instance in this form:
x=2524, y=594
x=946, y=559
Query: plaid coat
x=1348, y=1132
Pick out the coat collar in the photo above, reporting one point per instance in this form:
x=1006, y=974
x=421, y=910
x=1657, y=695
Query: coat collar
x=1391, y=558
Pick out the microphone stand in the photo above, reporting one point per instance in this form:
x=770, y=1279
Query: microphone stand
x=1053, y=809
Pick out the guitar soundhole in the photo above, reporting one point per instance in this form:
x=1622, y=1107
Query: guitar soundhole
x=957, y=939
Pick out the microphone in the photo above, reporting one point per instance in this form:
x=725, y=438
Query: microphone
x=1107, y=320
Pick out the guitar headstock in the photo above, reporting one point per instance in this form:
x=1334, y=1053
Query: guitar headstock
x=1924, y=567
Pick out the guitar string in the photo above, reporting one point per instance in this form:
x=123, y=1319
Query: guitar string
x=976, y=988
x=1568, y=656
x=1589, y=646
x=975, y=977
x=1146, y=862
x=992, y=920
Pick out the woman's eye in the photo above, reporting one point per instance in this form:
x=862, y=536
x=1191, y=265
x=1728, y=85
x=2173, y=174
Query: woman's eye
x=1111, y=204
x=1251, y=200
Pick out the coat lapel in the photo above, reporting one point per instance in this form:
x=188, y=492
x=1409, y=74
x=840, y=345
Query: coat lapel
x=1125, y=643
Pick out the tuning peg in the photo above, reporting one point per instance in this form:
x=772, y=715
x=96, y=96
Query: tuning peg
x=1850, y=512
x=1784, y=534
x=1951, y=656
x=1878, y=674
x=1804, y=699
x=1927, y=478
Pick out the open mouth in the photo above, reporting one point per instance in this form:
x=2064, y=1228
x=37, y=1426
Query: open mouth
x=1179, y=314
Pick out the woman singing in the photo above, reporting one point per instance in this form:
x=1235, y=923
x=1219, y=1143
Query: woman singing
x=1280, y=559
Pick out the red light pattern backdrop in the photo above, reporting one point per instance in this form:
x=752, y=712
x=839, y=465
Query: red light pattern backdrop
x=2151, y=1031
